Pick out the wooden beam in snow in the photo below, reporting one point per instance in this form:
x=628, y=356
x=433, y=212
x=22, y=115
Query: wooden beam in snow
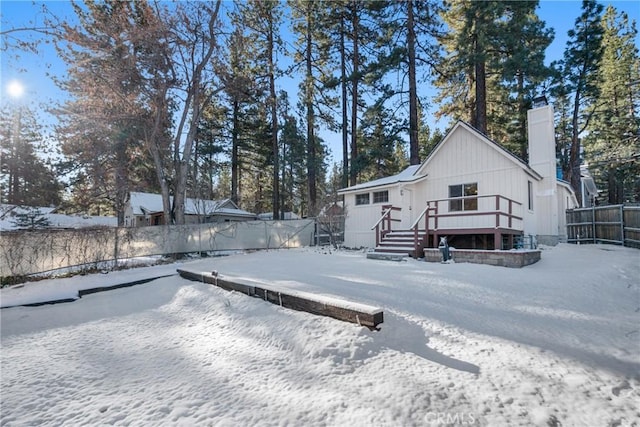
x=336, y=308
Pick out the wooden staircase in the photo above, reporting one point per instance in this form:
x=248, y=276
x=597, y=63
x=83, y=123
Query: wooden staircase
x=402, y=242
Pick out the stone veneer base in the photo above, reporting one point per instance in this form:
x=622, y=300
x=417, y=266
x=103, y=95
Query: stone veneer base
x=512, y=259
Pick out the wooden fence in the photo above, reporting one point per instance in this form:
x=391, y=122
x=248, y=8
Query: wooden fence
x=617, y=224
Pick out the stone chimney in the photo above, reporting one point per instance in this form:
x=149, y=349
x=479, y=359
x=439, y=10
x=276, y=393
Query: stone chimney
x=542, y=159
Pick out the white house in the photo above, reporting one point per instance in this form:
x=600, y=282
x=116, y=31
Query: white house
x=146, y=209
x=470, y=190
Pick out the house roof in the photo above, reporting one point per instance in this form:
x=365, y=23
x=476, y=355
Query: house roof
x=267, y=216
x=149, y=203
x=407, y=175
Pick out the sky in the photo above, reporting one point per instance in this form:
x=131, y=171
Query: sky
x=554, y=343
x=34, y=70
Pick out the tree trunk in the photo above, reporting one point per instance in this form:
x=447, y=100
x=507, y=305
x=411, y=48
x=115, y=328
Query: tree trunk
x=414, y=146
x=311, y=140
x=354, y=96
x=572, y=174
x=274, y=124
x=121, y=181
x=155, y=141
x=345, y=118
x=522, y=119
x=234, y=152
x=481, y=96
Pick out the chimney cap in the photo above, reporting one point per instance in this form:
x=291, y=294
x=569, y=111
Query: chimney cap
x=539, y=101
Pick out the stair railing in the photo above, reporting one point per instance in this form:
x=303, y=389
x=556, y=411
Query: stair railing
x=383, y=225
x=417, y=244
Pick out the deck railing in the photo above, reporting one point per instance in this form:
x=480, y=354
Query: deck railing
x=494, y=205
x=383, y=225
x=488, y=214
x=418, y=243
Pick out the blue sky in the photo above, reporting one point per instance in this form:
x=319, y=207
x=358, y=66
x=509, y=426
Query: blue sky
x=34, y=70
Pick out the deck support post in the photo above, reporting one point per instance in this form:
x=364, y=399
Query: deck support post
x=497, y=240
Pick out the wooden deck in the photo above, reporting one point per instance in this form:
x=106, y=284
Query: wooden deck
x=361, y=314
x=492, y=222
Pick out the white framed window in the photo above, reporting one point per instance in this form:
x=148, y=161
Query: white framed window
x=362, y=199
x=380, y=196
x=530, y=194
x=462, y=195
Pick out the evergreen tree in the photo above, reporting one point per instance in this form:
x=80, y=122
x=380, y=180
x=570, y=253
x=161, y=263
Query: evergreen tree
x=25, y=178
x=463, y=75
x=563, y=133
x=209, y=145
x=407, y=41
x=517, y=72
x=256, y=177
x=262, y=20
x=312, y=54
x=580, y=73
x=110, y=55
x=294, y=167
x=612, y=144
x=30, y=219
x=242, y=88
x=354, y=34
x=383, y=154
x=429, y=140
x=494, y=60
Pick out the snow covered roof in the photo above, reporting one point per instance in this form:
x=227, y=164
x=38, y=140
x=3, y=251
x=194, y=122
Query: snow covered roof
x=407, y=175
x=267, y=216
x=149, y=203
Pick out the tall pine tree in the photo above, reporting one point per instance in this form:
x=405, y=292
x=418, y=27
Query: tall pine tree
x=492, y=64
x=612, y=144
x=579, y=71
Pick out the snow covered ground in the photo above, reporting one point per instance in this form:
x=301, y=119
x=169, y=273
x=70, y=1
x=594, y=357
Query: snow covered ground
x=555, y=343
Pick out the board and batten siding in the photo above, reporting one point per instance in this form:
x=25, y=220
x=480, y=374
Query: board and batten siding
x=360, y=218
x=466, y=159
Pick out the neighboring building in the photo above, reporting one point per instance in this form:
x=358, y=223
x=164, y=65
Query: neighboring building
x=589, y=189
x=470, y=190
x=268, y=216
x=144, y=209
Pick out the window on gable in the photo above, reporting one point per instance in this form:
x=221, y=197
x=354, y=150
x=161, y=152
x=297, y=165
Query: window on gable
x=462, y=196
x=362, y=199
x=381, y=196
x=530, y=193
